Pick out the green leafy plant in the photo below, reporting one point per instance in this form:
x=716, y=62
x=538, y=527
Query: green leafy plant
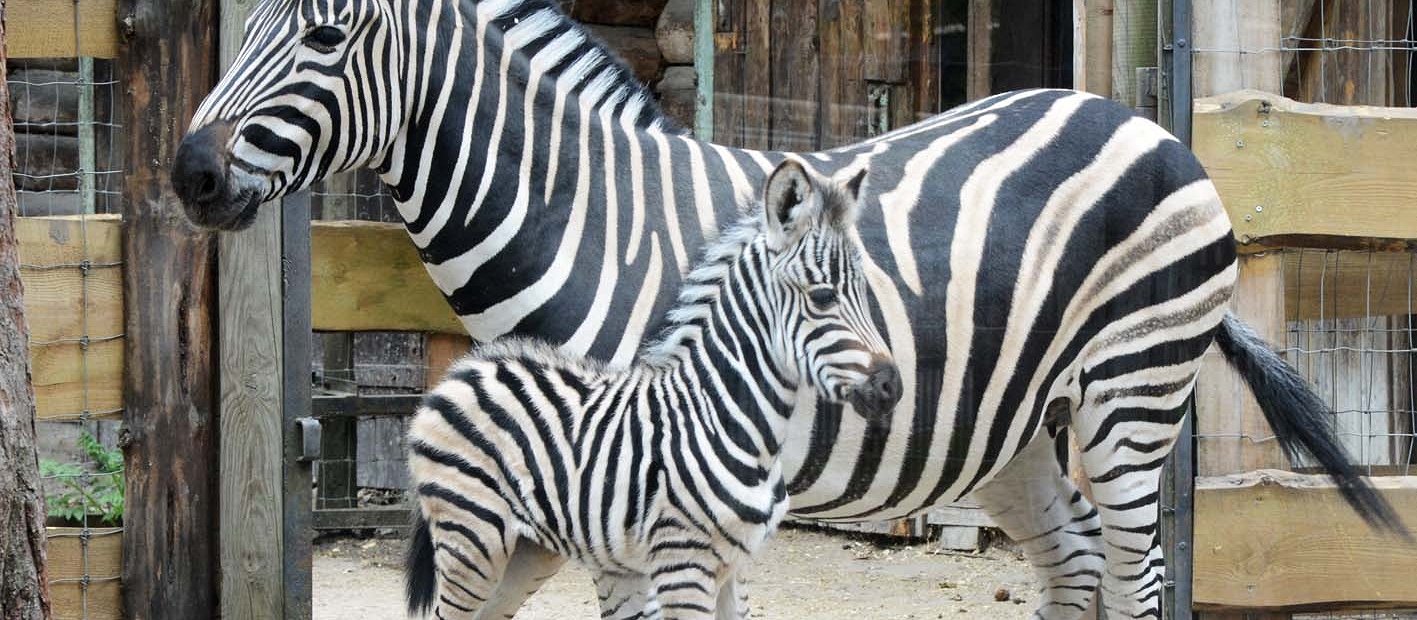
x=93, y=489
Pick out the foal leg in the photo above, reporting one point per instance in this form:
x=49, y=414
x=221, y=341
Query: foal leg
x=1035, y=502
x=529, y=566
x=470, y=558
x=733, y=597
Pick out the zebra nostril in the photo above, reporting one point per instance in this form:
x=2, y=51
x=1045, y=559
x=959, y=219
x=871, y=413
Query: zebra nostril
x=886, y=383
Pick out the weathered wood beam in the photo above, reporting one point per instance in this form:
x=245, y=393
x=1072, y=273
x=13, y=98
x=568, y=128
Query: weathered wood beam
x=350, y=259
x=1277, y=540
x=170, y=568
x=1290, y=172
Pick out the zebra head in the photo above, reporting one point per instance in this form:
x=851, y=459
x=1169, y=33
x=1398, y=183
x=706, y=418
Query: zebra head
x=818, y=285
x=315, y=89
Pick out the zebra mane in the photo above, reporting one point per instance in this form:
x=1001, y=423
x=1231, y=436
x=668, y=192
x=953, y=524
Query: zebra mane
x=623, y=85
x=700, y=287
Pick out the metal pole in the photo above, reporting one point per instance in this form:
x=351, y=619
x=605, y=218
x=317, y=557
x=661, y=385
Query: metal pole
x=301, y=434
x=703, y=66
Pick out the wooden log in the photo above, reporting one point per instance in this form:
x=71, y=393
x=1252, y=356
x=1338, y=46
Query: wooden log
x=678, y=92
x=636, y=46
x=169, y=542
x=675, y=32
x=44, y=96
x=46, y=162
x=71, y=559
x=617, y=12
x=351, y=259
x=1289, y=172
x=23, y=570
x=1278, y=540
x=46, y=29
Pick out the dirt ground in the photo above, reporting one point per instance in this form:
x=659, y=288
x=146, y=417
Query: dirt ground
x=805, y=573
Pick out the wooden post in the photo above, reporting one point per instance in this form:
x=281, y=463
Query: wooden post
x=24, y=592
x=1092, y=46
x=263, y=577
x=1134, y=32
x=1224, y=406
x=170, y=566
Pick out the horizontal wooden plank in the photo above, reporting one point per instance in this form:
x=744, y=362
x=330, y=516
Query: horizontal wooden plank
x=1280, y=540
x=1289, y=172
x=68, y=562
x=959, y=514
x=338, y=405
x=46, y=29
x=1349, y=284
x=73, y=282
x=367, y=277
x=69, y=379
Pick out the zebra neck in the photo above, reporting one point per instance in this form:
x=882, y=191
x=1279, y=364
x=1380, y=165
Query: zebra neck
x=504, y=99
x=726, y=360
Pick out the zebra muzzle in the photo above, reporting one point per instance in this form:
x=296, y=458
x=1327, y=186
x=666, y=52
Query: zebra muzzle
x=877, y=395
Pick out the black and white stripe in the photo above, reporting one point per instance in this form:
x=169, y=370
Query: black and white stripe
x=1039, y=259
x=664, y=474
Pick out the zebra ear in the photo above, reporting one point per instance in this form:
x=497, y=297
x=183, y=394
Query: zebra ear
x=853, y=187
x=791, y=204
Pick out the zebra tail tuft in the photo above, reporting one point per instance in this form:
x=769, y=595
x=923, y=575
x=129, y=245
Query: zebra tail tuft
x=419, y=573
x=1301, y=421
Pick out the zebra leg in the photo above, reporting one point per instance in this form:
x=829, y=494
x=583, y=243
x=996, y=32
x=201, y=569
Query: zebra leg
x=683, y=590
x=1126, y=434
x=625, y=597
x=733, y=597
x=470, y=557
x=529, y=566
x=1035, y=502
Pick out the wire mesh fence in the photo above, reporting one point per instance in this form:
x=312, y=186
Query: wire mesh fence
x=68, y=176
x=1348, y=314
x=66, y=173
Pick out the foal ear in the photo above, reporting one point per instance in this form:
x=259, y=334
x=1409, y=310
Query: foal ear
x=842, y=207
x=792, y=205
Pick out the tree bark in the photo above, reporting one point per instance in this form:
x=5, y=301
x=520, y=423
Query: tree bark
x=24, y=593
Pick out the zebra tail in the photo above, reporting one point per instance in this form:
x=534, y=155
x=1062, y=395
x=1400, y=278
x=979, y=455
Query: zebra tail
x=419, y=573
x=1301, y=421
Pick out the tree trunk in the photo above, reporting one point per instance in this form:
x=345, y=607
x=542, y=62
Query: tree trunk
x=24, y=594
x=170, y=528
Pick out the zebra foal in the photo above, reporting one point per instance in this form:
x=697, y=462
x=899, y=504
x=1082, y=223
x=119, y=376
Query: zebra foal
x=665, y=473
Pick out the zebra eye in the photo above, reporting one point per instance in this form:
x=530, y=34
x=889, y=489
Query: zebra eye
x=823, y=298
x=323, y=39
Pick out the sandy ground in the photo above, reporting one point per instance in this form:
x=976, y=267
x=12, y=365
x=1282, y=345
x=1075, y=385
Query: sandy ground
x=804, y=573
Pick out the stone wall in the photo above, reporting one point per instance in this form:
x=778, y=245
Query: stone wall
x=656, y=38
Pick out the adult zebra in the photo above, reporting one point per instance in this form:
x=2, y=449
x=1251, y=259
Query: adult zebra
x=1039, y=258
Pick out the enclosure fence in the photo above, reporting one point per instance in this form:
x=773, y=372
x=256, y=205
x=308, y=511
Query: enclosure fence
x=1311, y=177
x=67, y=175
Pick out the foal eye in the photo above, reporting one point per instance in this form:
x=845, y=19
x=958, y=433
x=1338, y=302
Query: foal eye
x=822, y=297
x=324, y=38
